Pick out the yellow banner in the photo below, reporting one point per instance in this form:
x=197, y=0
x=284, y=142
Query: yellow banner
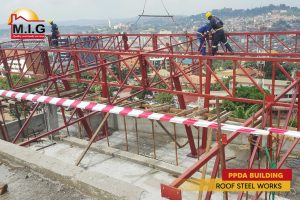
x=218, y=185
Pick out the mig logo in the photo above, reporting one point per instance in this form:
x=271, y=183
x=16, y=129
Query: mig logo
x=25, y=24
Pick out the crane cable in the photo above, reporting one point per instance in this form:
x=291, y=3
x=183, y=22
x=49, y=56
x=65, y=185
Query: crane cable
x=165, y=8
x=145, y=2
x=172, y=17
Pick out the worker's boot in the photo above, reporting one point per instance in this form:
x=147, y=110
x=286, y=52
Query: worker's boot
x=228, y=47
x=214, y=50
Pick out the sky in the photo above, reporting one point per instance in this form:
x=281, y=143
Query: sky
x=64, y=10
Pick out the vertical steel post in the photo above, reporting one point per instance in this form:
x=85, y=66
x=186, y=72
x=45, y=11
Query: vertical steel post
x=298, y=112
x=154, y=42
x=105, y=94
x=188, y=129
x=234, y=79
x=144, y=73
x=206, y=101
x=125, y=41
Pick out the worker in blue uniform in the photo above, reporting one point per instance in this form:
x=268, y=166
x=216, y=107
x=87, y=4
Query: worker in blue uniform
x=54, y=33
x=202, y=34
x=219, y=35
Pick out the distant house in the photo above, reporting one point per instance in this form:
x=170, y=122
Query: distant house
x=163, y=73
x=239, y=72
x=194, y=79
x=158, y=62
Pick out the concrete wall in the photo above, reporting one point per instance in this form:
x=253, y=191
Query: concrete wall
x=115, y=123
x=37, y=124
x=94, y=121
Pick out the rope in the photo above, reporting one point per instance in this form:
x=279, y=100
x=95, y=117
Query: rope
x=165, y=8
x=272, y=166
x=145, y=2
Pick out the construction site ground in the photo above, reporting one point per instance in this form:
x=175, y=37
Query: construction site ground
x=26, y=184
x=117, y=167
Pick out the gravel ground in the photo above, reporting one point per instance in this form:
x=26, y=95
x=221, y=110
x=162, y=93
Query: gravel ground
x=25, y=184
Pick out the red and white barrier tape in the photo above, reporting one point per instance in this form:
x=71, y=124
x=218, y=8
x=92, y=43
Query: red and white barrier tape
x=92, y=106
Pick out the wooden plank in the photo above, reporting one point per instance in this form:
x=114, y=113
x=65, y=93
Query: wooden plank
x=159, y=108
x=198, y=112
x=69, y=92
x=186, y=112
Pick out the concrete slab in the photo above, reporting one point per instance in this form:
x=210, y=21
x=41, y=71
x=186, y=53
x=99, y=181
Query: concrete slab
x=96, y=184
x=142, y=176
x=103, y=148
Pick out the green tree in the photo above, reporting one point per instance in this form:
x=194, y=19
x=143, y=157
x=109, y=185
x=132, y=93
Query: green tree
x=164, y=98
x=23, y=110
x=250, y=64
x=111, y=90
x=222, y=65
x=96, y=88
x=293, y=122
x=215, y=87
x=244, y=110
x=15, y=79
x=141, y=95
x=218, y=87
x=289, y=67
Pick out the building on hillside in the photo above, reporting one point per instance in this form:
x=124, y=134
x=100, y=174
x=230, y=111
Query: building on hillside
x=239, y=72
x=158, y=62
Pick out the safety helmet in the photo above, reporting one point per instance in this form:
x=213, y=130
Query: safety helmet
x=50, y=21
x=208, y=14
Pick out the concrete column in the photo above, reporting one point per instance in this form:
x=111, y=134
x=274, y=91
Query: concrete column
x=51, y=117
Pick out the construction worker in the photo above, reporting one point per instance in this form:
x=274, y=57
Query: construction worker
x=219, y=35
x=202, y=34
x=54, y=34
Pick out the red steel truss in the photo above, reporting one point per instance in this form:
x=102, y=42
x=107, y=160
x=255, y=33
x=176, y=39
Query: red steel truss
x=120, y=61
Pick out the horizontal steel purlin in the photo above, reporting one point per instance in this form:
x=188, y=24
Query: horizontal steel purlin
x=92, y=106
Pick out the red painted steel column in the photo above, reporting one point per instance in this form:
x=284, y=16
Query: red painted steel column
x=234, y=79
x=154, y=42
x=298, y=112
x=270, y=99
x=76, y=66
x=273, y=78
x=188, y=129
x=144, y=74
x=125, y=42
x=105, y=94
x=214, y=174
x=46, y=63
x=206, y=102
x=105, y=90
x=85, y=123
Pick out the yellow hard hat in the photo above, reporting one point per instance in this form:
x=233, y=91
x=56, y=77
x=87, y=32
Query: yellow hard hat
x=208, y=14
x=50, y=21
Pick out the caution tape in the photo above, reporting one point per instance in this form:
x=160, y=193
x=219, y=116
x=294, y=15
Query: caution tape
x=125, y=111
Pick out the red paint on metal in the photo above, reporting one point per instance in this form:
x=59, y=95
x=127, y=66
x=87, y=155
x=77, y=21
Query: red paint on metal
x=170, y=192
